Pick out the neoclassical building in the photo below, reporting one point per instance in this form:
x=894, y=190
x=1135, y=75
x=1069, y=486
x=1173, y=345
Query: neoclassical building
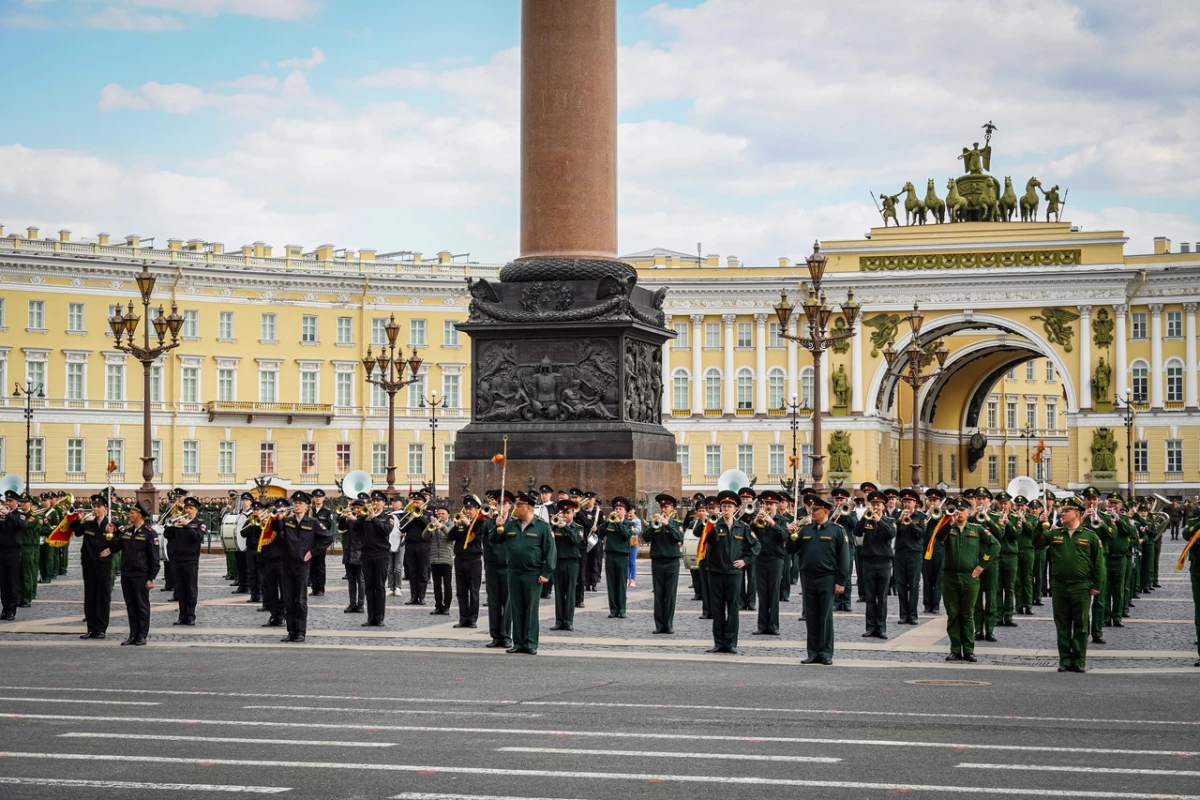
x=1046, y=327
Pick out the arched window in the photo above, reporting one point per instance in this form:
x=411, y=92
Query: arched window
x=806, y=387
x=745, y=389
x=776, y=383
x=681, y=390
x=712, y=389
x=1174, y=381
x=1139, y=372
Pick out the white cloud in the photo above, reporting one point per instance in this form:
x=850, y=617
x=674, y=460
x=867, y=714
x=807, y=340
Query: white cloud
x=268, y=9
x=317, y=57
x=118, y=19
x=265, y=97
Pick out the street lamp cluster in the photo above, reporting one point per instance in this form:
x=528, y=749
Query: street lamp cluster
x=391, y=364
x=916, y=378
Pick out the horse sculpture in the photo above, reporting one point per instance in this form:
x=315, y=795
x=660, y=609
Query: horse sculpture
x=1008, y=203
x=1030, y=201
x=956, y=204
x=989, y=204
x=914, y=209
x=934, y=204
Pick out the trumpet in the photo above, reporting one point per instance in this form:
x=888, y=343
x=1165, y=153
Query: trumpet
x=762, y=519
x=559, y=520
x=794, y=527
x=845, y=509
x=980, y=516
x=905, y=517
x=714, y=518
x=255, y=519
x=936, y=514
x=1095, y=523
x=868, y=515
x=461, y=518
x=433, y=526
x=614, y=517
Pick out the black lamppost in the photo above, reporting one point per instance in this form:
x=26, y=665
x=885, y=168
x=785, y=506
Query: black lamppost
x=1027, y=435
x=817, y=311
x=390, y=364
x=1128, y=414
x=916, y=378
x=29, y=391
x=794, y=408
x=125, y=325
x=433, y=404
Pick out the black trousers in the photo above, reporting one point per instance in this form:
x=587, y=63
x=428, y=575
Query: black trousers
x=251, y=573
x=358, y=586
x=664, y=577
x=876, y=575
x=272, y=579
x=705, y=594
x=375, y=571
x=10, y=581
x=749, y=586
x=908, y=583
x=594, y=564
x=467, y=576
x=137, y=605
x=443, y=590
x=239, y=558
x=931, y=578
x=295, y=598
x=416, y=564
x=97, y=593
x=580, y=583
x=317, y=573
x=187, y=578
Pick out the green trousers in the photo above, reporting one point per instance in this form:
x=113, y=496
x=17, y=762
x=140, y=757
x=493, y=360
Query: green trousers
x=1008, y=585
x=63, y=557
x=959, y=593
x=1149, y=559
x=114, y=573
x=987, y=602
x=1071, y=609
x=664, y=577
x=817, y=591
x=524, y=593
x=1115, y=585
x=616, y=575
x=566, y=574
x=47, y=562
x=1025, y=559
x=726, y=591
x=29, y=574
x=1039, y=574
x=768, y=575
x=1154, y=563
x=1195, y=574
x=499, y=619
x=1099, y=606
x=231, y=564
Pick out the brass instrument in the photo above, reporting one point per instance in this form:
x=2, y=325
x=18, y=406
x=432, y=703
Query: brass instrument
x=1045, y=520
x=614, y=517
x=846, y=508
x=714, y=518
x=255, y=519
x=980, y=516
x=559, y=520
x=905, y=517
x=868, y=515
x=433, y=526
x=762, y=519
x=749, y=509
x=1095, y=523
x=794, y=527
x=936, y=514
x=461, y=518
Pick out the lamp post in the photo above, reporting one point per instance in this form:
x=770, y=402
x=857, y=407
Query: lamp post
x=794, y=408
x=916, y=378
x=1128, y=414
x=1027, y=435
x=390, y=364
x=817, y=312
x=29, y=391
x=126, y=325
x=433, y=404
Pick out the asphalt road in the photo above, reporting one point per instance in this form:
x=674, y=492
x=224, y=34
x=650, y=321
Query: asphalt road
x=110, y=722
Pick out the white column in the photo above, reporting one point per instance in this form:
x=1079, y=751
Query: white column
x=856, y=371
x=730, y=404
x=697, y=365
x=1191, y=400
x=1085, y=357
x=1121, y=368
x=760, y=364
x=793, y=364
x=1156, y=365
x=668, y=390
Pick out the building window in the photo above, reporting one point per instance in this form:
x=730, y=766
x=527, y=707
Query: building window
x=341, y=458
x=191, y=324
x=1051, y=376
x=712, y=335
x=226, y=457
x=1012, y=374
x=266, y=458
x=1051, y=414
x=1174, y=381
x=37, y=454
x=1010, y=415
x=75, y=383
x=225, y=325
x=776, y=384
x=344, y=389
x=378, y=458
x=267, y=329
x=953, y=467
x=115, y=448
x=308, y=458
x=35, y=375
x=712, y=390
x=2, y=325
x=774, y=339
x=681, y=335
x=993, y=469
x=681, y=396
x=189, y=385
x=712, y=459
x=806, y=454
x=114, y=382
x=225, y=384
x=191, y=457
x=447, y=459
x=416, y=390
x=37, y=315
x=745, y=390
x=1012, y=469
x=993, y=415
x=156, y=383
x=416, y=459
x=1031, y=414
x=1045, y=468
x=683, y=454
x=345, y=330
x=775, y=460
x=941, y=473
x=1140, y=373
x=267, y=389
x=1174, y=324
x=1030, y=374
x=745, y=458
x=416, y=332
x=1141, y=456
x=806, y=388
x=378, y=331
x=452, y=390
x=1174, y=455
x=308, y=386
x=308, y=329
x=1137, y=325
x=75, y=456
x=156, y=455
x=379, y=398
x=745, y=335
x=75, y=317
x=449, y=334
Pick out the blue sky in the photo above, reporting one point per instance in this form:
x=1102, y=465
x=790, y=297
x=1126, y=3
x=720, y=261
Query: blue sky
x=753, y=126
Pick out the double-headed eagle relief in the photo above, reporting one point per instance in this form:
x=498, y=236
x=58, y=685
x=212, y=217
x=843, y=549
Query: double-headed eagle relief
x=974, y=196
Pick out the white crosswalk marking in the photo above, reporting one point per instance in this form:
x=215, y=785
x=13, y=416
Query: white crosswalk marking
x=68, y=783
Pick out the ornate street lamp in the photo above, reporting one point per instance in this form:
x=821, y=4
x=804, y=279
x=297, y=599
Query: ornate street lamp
x=433, y=404
x=1128, y=415
x=916, y=378
x=391, y=367
x=29, y=391
x=817, y=312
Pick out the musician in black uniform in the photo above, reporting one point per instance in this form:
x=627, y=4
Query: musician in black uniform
x=910, y=547
x=571, y=547
x=183, y=543
x=771, y=529
x=544, y=510
x=138, y=545
x=416, y=551
x=748, y=601
x=374, y=532
x=12, y=530
x=876, y=531
x=594, y=563
x=302, y=537
x=270, y=566
x=586, y=520
x=252, y=533
x=176, y=495
x=97, y=533
x=467, y=539
x=317, y=565
x=351, y=532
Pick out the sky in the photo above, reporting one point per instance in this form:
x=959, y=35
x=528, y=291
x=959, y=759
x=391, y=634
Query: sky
x=751, y=127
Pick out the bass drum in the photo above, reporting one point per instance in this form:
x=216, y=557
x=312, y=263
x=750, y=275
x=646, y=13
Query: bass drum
x=232, y=539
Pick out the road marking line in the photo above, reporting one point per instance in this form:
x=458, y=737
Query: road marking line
x=225, y=739
x=609, y=776
x=1189, y=773
x=640, y=754
x=206, y=693
x=182, y=787
x=73, y=701
x=595, y=734
x=439, y=713
x=444, y=796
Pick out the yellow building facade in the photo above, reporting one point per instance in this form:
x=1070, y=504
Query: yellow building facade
x=268, y=378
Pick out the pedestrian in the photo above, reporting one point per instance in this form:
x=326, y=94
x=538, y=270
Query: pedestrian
x=12, y=532
x=617, y=530
x=824, y=550
x=138, y=545
x=873, y=536
x=301, y=536
x=569, y=545
x=723, y=552
x=1077, y=562
x=666, y=548
x=396, y=572
x=185, y=536
x=969, y=548
x=636, y=526
x=770, y=529
x=467, y=537
x=530, y=556
x=909, y=545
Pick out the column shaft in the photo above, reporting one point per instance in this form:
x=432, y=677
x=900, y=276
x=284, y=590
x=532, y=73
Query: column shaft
x=1121, y=368
x=730, y=401
x=668, y=390
x=760, y=364
x=1191, y=400
x=1085, y=358
x=856, y=372
x=1156, y=362
x=697, y=363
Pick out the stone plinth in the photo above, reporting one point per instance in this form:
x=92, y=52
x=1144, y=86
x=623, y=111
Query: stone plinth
x=635, y=479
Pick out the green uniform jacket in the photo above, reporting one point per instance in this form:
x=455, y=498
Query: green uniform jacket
x=727, y=544
x=666, y=543
x=527, y=551
x=824, y=550
x=568, y=542
x=1077, y=557
x=1117, y=546
x=773, y=538
x=968, y=547
x=1009, y=534
x=616, y=536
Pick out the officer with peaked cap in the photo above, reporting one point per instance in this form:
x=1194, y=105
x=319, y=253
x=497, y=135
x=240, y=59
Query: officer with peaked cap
x=666, y=548
x=186, y=539
x=12, y=530
x=96, y=564
x=616, y=536
x=570, y=547
x=824, y=551
x=138, y=545
x=1077, y=566
x=931, y=568
x=302, y=537
x=467, y=538
x=530, y=557
x=909, y=547
x=724, y=549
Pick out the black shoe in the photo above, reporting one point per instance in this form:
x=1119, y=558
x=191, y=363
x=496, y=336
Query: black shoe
x=969, y=657
x=828, y=662
x=272, y=623
x=44, y=580
x=756, y=633
x=713, y=650
x=319, y=594
x=410, y=602
x=299, y=639
x=24, y=605
x=99, y=635
x=1038, y=603
x=579, y=605
x=668, y=631
x=880, y=635
x=1118, y=624
x=954, y=657
x=612, y=616
x=288, y=638
x=459, y=625
x=495, y=643
x=1080, y=670
x=140, y=642
x=349, y=609
x=513, y=650
x=868, y=635
x=1063, y=669
x=1099, y=640
x=728, y=651
x=990, y=637
x=255, y=599
x=703, y=616
x=979, y=636
x=813, y=660
x=620, y=616
x=264, y=608
x=127, y=641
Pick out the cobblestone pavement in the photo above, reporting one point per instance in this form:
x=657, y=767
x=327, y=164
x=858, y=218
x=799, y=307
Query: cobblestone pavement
x=1160, y=633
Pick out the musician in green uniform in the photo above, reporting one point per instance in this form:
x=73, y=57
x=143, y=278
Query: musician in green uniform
x=987, y=603
x=568, y=541
x=1116, y=554
x=530, y=556
x=1040, y=587
x=931, y=568
x=666, y=548
x=770, y=528
x=969, y=549
x=1007, y=530
x=495, y=571
x=47, y=555
x=824, y=550
x=1101, y=524
x=615, y=532
x=1024, y=523
x=724, y=548
x=1077, y=561
x=63, y=552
